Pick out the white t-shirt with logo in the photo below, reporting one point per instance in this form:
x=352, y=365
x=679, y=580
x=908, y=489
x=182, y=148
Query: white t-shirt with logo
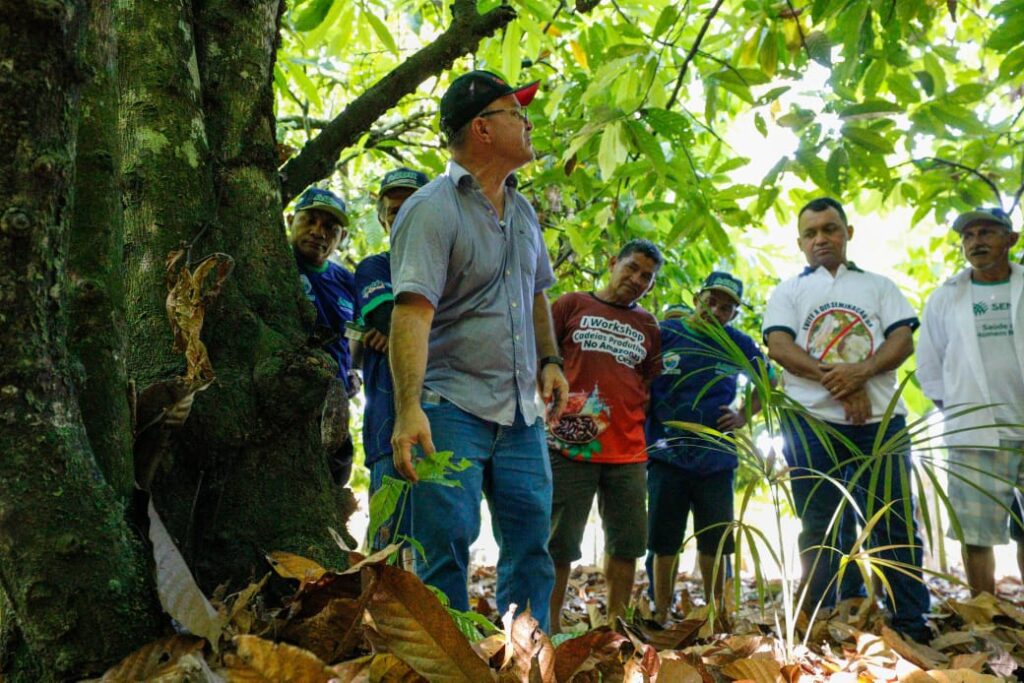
x=841, y=319
x=994, y=327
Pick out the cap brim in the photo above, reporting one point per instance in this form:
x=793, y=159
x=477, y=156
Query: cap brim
x=333, y=210
x=400, y=183
x=724, y=290
x=965, y=220
x=526, y=93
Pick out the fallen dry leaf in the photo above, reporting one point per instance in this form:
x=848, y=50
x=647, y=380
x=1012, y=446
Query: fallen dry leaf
x=921, y=655
x=962, y=676
x=144, y=663
x=277, y=662
x=291, y=566
x=418, y=629
x=757, y=670
x=177, y=589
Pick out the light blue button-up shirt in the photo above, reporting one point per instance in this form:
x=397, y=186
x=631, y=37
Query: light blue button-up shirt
x=481, y=275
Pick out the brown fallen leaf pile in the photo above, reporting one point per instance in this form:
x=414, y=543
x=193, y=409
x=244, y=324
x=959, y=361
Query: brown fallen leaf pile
x=375, y=622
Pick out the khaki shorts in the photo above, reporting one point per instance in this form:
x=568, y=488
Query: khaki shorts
x=983, y=485
x=621, y=492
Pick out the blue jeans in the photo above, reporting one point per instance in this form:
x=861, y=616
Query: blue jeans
x=510, y=467
x=400, y=523
x=818, y=500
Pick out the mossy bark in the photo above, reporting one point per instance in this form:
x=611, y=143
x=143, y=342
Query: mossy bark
x=246, y=474
x=70, y=568
x=95, y=262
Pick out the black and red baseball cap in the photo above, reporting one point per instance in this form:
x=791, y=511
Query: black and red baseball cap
x=470, y=93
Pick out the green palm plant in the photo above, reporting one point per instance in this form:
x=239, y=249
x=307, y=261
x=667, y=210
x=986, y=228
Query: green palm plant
x=871, y=470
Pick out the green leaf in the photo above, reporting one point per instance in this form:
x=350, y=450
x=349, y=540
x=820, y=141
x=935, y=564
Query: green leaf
x=649, y=145
x=967, y=93
x=836, y=169
x=935, y=70
x=311, y=15
x=667, y=17
x=511, y=52
x=383, y=504
x=298, y=75
x=868, y=139
x=671, y=124
x=760, y=125
x=901, y=85
x=819, y=47
x=613, y=150
x=381, y=29
x=796, y=119
x=1009, y=8
x=1009, y=34
x=768, y=56
x=433, y=469
x=1012, y=65
x=961, y=117
x=873, y=78
x=871, y=109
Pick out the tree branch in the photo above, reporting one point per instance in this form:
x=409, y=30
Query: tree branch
x=318, y=156
x=973, y=171
x=692, y=52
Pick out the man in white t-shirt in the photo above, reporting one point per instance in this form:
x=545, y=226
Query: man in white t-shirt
x=971, y=364
x=840, y=333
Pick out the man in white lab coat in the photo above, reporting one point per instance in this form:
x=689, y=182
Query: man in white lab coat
x=970, y=362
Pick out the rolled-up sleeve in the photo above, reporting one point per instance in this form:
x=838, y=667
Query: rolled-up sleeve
x=420, y=248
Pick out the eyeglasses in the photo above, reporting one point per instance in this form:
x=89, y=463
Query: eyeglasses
x=517, y=112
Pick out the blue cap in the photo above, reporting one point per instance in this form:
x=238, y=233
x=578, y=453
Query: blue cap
x=325, y=200
x=677, y=311
x=402, y=177
x=726, y=283
x=982, y=215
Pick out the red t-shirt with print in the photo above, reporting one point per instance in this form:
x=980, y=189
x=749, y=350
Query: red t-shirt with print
x=611, y=354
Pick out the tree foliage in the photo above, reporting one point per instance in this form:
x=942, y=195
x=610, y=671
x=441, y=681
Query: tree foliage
x=646, y=120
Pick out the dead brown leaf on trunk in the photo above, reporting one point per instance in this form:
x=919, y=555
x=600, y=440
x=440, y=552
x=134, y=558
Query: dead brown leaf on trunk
x=189, y=292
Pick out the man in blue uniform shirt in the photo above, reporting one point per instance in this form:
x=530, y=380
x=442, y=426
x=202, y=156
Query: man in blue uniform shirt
x=685, y=472
x=376, y=301
x=315, y=231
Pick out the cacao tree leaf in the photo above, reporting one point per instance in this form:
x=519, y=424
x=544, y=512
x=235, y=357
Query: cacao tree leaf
x=417, y=629
x=819, y=47
x=613, y=150
x=529, y=654
x=756, y=670
x=871, y=109
x=311, y=15
x=868, y=139
x=177, y=589
x=1009, y=34
x=382, y=31
x=383, y=504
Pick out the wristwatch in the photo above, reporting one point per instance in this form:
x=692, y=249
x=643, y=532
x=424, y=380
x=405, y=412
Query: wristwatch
x=557, y=360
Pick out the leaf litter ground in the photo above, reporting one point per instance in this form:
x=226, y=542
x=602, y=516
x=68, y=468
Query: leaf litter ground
x=376, y=622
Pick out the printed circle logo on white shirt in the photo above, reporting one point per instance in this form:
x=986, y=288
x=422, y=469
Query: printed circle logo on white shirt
x=840, y=335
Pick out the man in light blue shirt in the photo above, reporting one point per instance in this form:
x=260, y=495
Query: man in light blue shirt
x=471, y=318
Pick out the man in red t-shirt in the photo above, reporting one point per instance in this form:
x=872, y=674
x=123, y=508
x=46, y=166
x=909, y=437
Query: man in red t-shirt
x=612, y=350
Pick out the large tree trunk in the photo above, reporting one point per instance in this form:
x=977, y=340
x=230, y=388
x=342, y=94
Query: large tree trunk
x=95, y=261
x=70, y=569
x=246, y=474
